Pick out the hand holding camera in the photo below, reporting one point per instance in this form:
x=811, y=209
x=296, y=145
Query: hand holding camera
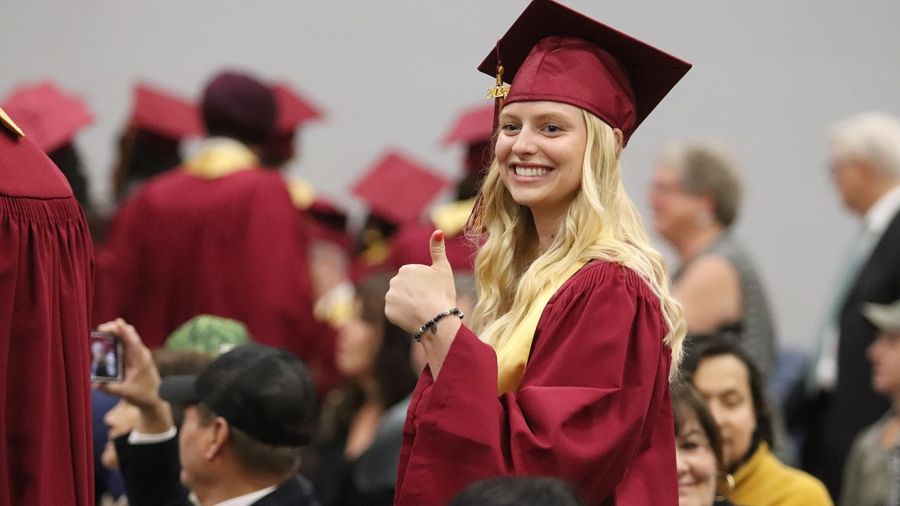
x=140, y=382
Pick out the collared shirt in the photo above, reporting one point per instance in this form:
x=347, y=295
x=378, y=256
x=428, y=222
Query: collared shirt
x=247, y=499
x=879, y=216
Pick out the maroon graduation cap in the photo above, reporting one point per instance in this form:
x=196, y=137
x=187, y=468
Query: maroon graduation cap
x=293, y=109
x=554, y=53
x=398, y=188
x=474, y=124
x=163, y=113
x=47, y=115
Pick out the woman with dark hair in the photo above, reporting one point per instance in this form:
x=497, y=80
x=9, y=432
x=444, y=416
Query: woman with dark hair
x=733, y=387
x=373, y=356
x=698, y=450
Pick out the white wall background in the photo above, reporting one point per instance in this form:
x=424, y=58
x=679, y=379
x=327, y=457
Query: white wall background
x=769, y=77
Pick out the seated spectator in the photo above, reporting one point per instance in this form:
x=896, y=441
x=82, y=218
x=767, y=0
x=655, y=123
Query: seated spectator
x=518, y=491
x=246, y=421
x=698, y=450
x=733, y=388
x=872, y=473
x=373, y=356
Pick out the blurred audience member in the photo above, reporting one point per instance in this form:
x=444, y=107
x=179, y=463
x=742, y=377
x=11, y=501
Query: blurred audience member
x=396, y=189
x=188, y=351
x=46, y=281
x=698, y=450
x=377, y=467
x=734, y=390
x=696, y=199
x=151, y=141
x=518, y=491
x=219, y=236
x=247, y=417
x=872, y=473
x=373, y=355
x=865, y=166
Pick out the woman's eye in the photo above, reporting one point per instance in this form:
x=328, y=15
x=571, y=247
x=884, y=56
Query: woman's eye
x=509, y=127
x=553, y=129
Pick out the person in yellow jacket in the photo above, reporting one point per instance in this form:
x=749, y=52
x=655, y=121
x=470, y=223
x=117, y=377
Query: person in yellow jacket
x=734, y=390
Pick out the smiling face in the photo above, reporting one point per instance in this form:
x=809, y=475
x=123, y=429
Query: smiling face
x=696, y=463
x=540, y=153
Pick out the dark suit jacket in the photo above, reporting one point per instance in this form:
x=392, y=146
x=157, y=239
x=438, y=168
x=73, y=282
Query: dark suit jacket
x=152, y=478
x=854, y=404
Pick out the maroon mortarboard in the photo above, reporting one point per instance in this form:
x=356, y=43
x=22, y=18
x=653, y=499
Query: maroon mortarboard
x=47, y=115
x=475, y=124
x=398, y=188
x=554, y=53
x=293, y=109
x=164, y=113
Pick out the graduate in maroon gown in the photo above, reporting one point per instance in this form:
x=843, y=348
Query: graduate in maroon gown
x=218, y=235
x=45, y=298
x=563, y=370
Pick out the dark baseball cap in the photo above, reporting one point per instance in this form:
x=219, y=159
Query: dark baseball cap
x=265, y=392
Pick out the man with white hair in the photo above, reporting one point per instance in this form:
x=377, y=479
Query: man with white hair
x=865, y=165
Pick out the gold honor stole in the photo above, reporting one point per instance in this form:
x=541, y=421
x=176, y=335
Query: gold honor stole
x=512, y=355
x=221, y=158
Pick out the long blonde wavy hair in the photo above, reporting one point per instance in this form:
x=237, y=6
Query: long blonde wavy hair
x=601, y=223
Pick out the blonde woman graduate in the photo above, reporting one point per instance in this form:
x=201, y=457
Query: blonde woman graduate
x=563, y=369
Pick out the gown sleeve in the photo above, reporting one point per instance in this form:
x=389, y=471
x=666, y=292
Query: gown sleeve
x=590, y=398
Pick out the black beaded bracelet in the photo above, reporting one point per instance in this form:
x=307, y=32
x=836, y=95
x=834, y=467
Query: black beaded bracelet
x=432, y=323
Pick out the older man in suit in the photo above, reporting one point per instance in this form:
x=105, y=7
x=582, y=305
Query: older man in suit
x=866, y=171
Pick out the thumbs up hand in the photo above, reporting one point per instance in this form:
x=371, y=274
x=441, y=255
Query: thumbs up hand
x=418, y=292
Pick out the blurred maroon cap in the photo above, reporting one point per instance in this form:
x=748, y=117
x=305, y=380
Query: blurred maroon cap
x=239, y=106
x=164, y=113
x=397, y=188
x=554, y=53
x=49, y=116
x=475, y=124
x=293, y=109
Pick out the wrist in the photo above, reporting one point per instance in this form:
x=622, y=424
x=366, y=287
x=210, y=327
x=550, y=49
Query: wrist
x=453, y=314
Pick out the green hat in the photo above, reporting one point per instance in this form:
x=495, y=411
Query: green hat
x=208, y=334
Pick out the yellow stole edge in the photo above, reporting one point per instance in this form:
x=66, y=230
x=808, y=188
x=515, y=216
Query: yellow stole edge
x=513, y=353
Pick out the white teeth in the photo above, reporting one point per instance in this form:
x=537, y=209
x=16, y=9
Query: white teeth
x=529, y=171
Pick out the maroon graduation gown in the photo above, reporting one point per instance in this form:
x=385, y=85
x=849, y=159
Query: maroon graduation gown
x=46, y=263
x=592, y=408
x=232, y=246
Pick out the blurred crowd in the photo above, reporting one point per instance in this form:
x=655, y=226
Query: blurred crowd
x=253, y=318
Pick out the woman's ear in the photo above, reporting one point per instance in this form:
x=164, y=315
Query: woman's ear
x=620, y=139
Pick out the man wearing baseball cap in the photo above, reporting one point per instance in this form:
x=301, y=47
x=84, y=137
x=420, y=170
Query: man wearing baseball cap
x=247, y=417
x=872, y=473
